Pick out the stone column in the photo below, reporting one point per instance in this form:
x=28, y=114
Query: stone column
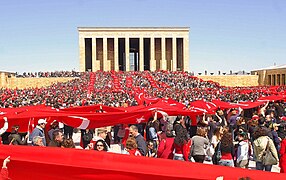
x=116, y=66
x=127, y=65
x=81, y=53
x=163, y=51
x=3, y=80
x=93, y=58
x=152, y=54
x=174, y=49
x=186, y=53
x=105, y=61
x=141, y=53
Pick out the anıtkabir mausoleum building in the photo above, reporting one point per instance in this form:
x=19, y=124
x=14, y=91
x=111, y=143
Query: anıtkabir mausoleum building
x=134, y=48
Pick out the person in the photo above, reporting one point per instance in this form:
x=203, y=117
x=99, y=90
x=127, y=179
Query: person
x=233, y=118
x=3, y=134
x=282, y=152
x=38, y=141
x=199, y=145
x=259, y=146
x=58, y=138
x=179, y=124
x=14, y=138
x=68, y=131
x=86, y=137
x=100, y=145
x=54, y=126
x=101, y=135
x=120, y=129
x=4, y=170
x=218, y=133
x=261, y=124
x=133, y=131
x=132, y=148
x=151, y=150
x=68, y=143
x=227, y=150
x=39, y=131
x=276, y=139
x=242, y=160
x=220, y=118
x=152, y=133
x=166, y=146
x=181, y=143
x=5, y=127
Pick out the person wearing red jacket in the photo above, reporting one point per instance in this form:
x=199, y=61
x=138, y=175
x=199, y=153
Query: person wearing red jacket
x=132, y=147
x=182, y=145
x=282, y=162
x=166, y=146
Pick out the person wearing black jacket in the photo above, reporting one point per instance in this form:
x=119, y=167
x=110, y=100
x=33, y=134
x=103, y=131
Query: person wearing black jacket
x=15, y=139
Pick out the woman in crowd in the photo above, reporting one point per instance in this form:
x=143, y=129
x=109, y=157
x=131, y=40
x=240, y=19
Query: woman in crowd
x=261, y=142
x=166, y=146
x=199, y=145
x=132, y=147
x=100, y=145
x=227, y=150
x=218, y=133
x=181, y=143
x=242, y=159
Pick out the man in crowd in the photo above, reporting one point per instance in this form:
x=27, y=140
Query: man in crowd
x=39, y=131
x=37, y=141
x=101, y=134
x=54, y=126
x=58, y=138
x=133, y=131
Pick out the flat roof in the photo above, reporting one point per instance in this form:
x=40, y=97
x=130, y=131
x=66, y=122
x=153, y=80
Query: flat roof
x=271, y=67
x=7, y=72
x=133, y=28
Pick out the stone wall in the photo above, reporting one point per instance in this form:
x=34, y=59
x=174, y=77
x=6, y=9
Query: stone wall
x=272, y=77
x=233, y=80
x=224, y=80
x=21, y=83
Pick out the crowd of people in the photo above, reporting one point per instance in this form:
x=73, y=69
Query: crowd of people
x=230, y=137
x=48, y=74
x=180, y=86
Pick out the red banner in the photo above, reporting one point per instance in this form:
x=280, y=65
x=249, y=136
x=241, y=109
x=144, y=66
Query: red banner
x=29, y=162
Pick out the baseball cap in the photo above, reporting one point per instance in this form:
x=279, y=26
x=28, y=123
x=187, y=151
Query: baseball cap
x=42, y=121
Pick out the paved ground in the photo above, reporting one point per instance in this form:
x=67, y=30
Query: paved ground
x=252, y=166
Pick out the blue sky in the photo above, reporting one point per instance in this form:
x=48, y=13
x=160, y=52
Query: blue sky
x=41, y=35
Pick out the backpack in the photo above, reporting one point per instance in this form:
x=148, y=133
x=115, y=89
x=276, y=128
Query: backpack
x=217, y=154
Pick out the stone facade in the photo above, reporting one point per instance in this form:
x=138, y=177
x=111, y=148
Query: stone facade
x=274, y=75
x=22, y=83
x=227, y=80
x=167, y=48
x=233, y=80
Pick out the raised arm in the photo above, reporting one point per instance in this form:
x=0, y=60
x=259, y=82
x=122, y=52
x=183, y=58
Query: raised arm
x=5, y=127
